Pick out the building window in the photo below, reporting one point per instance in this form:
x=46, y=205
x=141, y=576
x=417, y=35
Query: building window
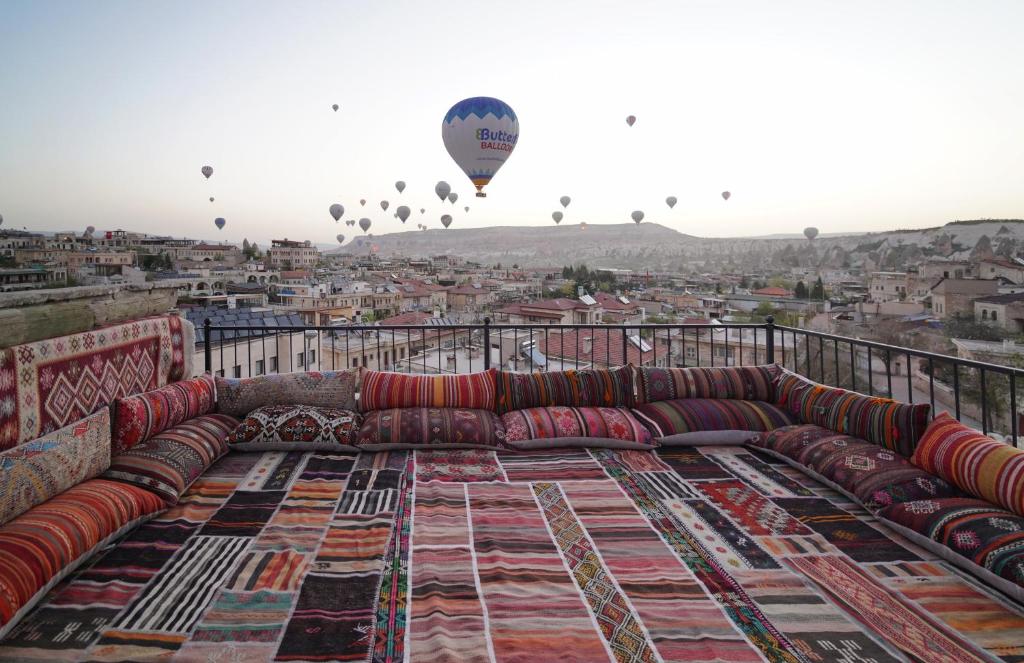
x=355, y=362
x=385, y=357
x=401, y=354
x=312, y=357
x=984, y=314
x=691, y=352
x=259, y=367
x=236, y=371
x=300, y=359
x=273, y=365
x=993, y=316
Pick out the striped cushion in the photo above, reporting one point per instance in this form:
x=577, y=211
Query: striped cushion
x=432, y=428
x=240, y=396
x=891, y=424
x=42, y=545
x=687, y=415
x=749, y=383
x=383, y=391
x=977, y=464
x=168, y=463
x=587, y=388
x=35, y=471
x=140, y=417
x=551, y=423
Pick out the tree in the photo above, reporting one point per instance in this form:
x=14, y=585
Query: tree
x=800, y=292
x=818, y=291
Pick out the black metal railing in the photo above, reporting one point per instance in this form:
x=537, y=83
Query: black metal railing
x=979, y=393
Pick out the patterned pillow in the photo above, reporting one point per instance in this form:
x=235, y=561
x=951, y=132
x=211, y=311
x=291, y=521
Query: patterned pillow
x=891, y=424
x=559, y=426
x=296, y=428
x=240, y=396
x=35, y=471
x=383, y=390
x=140, y=417
x=587, y=388
x=748, y=383
x=689, y=415
x=168, y=463
x=975, y=463
x=432, y=428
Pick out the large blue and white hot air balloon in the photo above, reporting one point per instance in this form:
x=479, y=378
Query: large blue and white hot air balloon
x=479, y=133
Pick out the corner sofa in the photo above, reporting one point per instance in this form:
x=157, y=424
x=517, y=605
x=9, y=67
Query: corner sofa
x=142, y=434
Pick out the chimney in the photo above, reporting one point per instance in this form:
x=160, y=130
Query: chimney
x=587, y=345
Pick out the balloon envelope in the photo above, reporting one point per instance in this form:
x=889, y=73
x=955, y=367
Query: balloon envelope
x=90, y=229
x=630, y=120
x=337, y=211
x=446, y=220
x=403, y=212
x=726, y=195
x=452, y=197
x=466, y=209
x=671, y=201
x=219, y=222
x=565, y=200
x=335, y=107
x=1, y=219
x=384, y=205
x=442, y=189
x=638, y=216
x=479, y=134
x=810, y=232
x=211, y=199
x=400, y=185
x=207, y=171
x=365, y=224
x=423, y=210
x=341, y=239
x=557, y=216
x=362, y=202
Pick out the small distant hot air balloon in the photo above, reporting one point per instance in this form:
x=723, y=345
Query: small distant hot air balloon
x=337, y=211
x=671, y=201
x=466, y=209
x=726, y=195
x=219, y=222
x=341, y=239
x=446, y=220
x=350, y=222
x=480, y=134
x=423, y=228
x=211, y=199
x=400, y=185
x=384, y=205
x=810, y=232
x=365, y=223
x=335, y=107
x=452, y=197
x=631, y=120
x=557, y=216
x=565, y=200
x=583, y=225
x=442, y=189
x=362, y=202
x=638, y=216
x=90, y=230
x=423, y=210
x=207, y=171
x=1, y=219
x=403, y=212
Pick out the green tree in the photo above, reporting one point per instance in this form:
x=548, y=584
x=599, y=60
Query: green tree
x=818, y=291
x=800, y=292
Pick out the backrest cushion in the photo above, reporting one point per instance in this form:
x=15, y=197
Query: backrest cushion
x=974, y=463
x=430, y=428
x=382, y=390
x=296, y=428
x=35, y=471
x=748, y=383
x=894, y=425
x=584, y=388
x=138, y=418
x=240, y=396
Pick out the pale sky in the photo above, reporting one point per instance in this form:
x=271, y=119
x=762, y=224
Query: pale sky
x=850, y=116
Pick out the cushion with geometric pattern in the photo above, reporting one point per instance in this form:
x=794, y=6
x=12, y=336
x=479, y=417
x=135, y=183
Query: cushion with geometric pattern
x=296, y=428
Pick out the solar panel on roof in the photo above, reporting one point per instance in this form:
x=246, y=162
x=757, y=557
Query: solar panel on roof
x=588, y=300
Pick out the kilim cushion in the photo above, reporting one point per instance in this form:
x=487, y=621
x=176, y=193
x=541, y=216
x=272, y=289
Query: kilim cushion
x=559, y=426
x=35, y=471
x=169, y=462
x=979, y=465
x=433, y=428
x=296, y=428
x=382, y=390
x=140, y=417
x=688, y=415
x=585, y=388
x=239, y=397
x=42, y=545
x=749, y=383
x=891, y=424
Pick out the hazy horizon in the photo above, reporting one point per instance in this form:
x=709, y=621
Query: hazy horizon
x=853, y=118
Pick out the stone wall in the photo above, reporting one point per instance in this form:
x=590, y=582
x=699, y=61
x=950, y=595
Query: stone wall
x=39, y=314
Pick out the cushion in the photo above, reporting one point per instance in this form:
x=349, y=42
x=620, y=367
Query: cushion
x=586, y=388
x=725, y=438
x=383, y=390
x=891, y=424
x=168, y=463
x=47, y=542
x=749, y=383
x=970, y=529
x=35, y=471
x=240, y=396
x=560, y=426
x=977, y=464
x=430, y=428
x=296, y=428
x=138, y=418
x=689, y=415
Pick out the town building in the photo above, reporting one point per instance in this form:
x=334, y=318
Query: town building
x=1006, y=311
x=955, y=297
x=285, y=254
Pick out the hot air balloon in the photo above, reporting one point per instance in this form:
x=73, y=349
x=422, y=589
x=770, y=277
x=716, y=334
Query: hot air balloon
x=442, y=189
x=365, y=223
x=337, y=211
x=341, y=239
x=211, y=199
x=671, y=201
x=638, y=216
x=219, y=222
x=466, y=209
x=90, y=230
x=557, y=216
x=479, y=134
x=362, y=202
x=207, y=171
x=384, y=205
x=423, y=228
x=452, y=197
x=423, y=210
x=350, y=222
x=630, y=120
x=726, y=195
x=403, y=213
x=565, y=200
x=446, y=220
x=335, y=107
x=583, y=225
x=400, y=185
x=810, y=232
x=1, y=219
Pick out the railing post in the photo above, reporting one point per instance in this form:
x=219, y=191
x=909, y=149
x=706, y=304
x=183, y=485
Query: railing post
x=487, y=343
x=769, y=340
x=207, y=348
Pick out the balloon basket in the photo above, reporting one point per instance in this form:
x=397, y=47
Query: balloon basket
x=481, y=194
